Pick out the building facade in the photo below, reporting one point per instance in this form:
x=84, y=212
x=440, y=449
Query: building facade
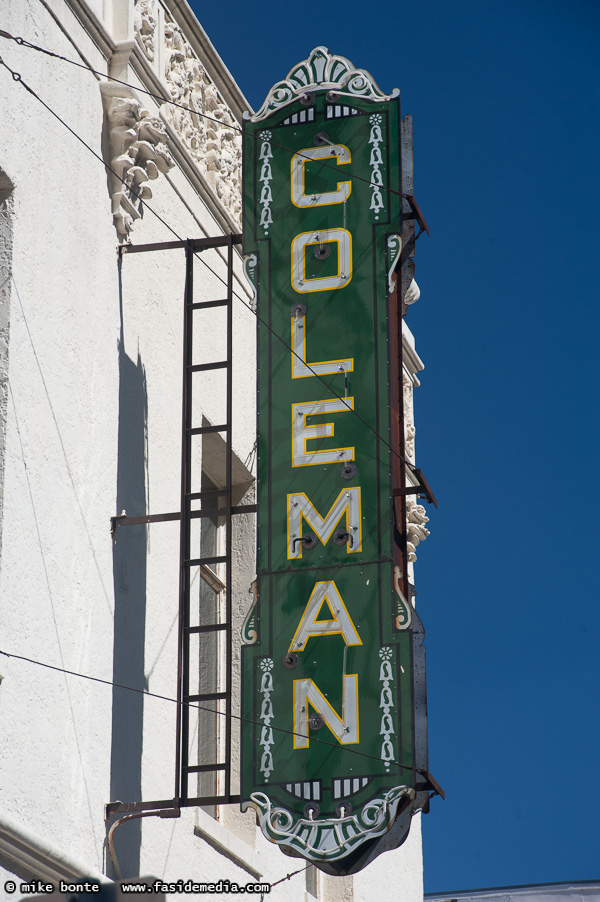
x=574, y=891
x=137, y=144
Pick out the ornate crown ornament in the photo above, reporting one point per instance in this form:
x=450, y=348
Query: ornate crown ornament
x=321, y=71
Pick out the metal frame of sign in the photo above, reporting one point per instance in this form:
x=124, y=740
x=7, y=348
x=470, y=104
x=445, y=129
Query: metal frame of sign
x=334, y=748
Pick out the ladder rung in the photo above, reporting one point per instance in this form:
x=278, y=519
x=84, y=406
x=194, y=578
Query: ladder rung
x=205, y=430
x=204, y=768
x=211, y=628
x=200, y=367
x=200, y=304
x=205, y=697
x=196, y=562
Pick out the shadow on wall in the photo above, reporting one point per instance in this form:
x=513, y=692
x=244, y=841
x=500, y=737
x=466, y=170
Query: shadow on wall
x=6, y=188
x=129, y=578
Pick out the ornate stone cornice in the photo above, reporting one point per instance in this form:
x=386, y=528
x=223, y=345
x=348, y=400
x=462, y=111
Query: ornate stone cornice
x=175, y=52
x=322, y=71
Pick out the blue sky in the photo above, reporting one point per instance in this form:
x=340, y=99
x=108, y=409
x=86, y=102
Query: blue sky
x=505, y=102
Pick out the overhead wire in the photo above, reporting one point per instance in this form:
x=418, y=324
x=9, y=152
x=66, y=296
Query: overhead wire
x=193, y=705
x=22, y=42
x=18, y=78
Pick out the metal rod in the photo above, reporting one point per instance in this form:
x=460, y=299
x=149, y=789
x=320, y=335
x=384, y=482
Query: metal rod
x=201, y=305
x=181, y=750
x=202, y=367
x=195, y=244
x=205, y=697
x=210, y=628
x=204, y=430
x=164, y=518
x=195, y=562
x=168, y=804
x=228, y=522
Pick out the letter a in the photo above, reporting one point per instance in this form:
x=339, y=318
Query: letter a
x=340, y=624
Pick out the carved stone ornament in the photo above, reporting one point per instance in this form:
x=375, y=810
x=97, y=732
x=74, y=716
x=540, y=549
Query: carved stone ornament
x=207, y=128
x=137, y=154
x=323, y=71
x=409, y=419
x=416, y=519
x=145, y=19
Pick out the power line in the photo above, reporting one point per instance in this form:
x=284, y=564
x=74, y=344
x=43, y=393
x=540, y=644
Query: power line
x=22, y=42
x=168, y=698
x=18, y=78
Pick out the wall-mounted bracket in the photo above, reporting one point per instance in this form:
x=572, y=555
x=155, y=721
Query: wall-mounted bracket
x=422, y=489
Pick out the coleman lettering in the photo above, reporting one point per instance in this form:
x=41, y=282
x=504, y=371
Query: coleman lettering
x=300, y=508
x=300, y=369
x=302, y=433
x=339, y=153
x=345, y=728
x=339, y=625
x=343, y=239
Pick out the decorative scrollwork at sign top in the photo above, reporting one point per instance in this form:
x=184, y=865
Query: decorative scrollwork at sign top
x=321, y=71
x=329, y=838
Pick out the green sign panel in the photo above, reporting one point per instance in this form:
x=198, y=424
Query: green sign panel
x=329, y=755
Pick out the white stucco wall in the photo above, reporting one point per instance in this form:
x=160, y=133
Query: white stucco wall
x=92, y=424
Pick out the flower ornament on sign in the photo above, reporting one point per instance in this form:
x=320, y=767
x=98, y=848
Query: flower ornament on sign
x=386, y=704
x=266, y=716
x=376, y=160
x=265, y=178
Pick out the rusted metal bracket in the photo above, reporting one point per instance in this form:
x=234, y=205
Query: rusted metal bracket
x=170, y=807
x=124, y=520
x=422, y=489
x=430, y=784
x=416, y=212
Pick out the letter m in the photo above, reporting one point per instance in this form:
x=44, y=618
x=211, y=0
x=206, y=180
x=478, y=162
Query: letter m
x=299, y=508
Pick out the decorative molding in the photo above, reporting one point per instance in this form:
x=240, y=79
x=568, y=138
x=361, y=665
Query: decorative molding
x=226, y=843
x=409, y=417
x=411, y=359
x=404, y=611
x=250, y=627
x=251, y=273
x=33, y=855
x=413, y=293
x=321, y=71
x=394, y=244
x=138, y=154
x=145, y=22
x=328, y=840
x=214, y=143
x=416, y=518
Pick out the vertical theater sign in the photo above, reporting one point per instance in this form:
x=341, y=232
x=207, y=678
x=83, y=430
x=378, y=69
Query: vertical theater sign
x=334, y=749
